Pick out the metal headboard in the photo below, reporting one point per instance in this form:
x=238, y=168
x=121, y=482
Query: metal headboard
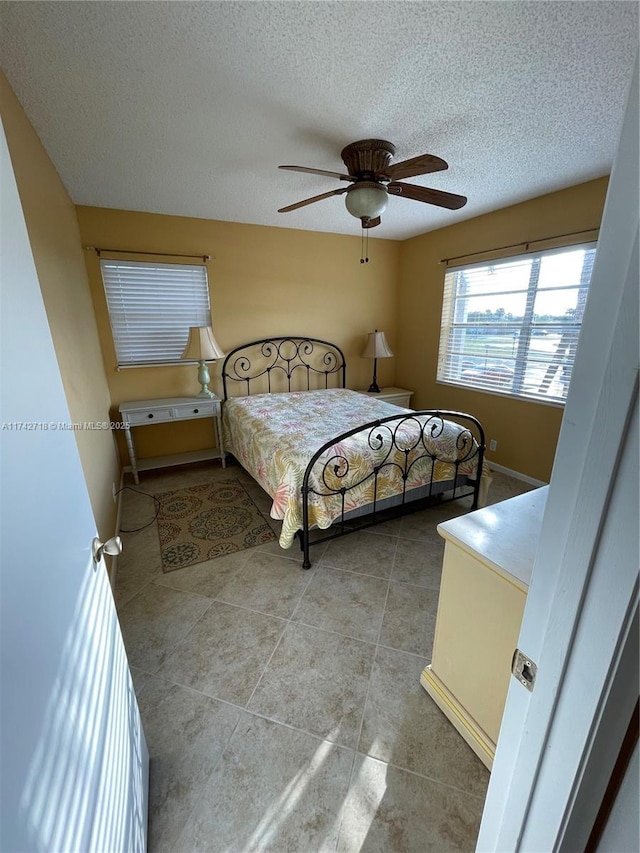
x=284, y=357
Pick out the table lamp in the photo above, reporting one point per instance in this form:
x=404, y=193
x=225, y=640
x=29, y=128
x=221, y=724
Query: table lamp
x=202, y=347
x=376, y=347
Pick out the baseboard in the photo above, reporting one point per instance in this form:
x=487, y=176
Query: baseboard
x=460, y=719
x=114, y=560
x=515, y=474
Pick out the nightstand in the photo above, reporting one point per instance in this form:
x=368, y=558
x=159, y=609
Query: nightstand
x=141, y=412
x=397, y=396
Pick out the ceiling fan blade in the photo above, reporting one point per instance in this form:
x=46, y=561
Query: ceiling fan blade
x=312, y=200
x=422, y=165
x=429, y=196
x=337, y=175
x=370, y=223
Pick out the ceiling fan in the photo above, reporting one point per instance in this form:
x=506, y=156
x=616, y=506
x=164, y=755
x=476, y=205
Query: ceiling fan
x=373, y=178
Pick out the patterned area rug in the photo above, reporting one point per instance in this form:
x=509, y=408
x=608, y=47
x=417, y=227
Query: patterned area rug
x=204, y=522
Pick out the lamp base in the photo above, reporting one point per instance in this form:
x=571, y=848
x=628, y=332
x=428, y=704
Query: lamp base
x=204, y=379
x=373, y=388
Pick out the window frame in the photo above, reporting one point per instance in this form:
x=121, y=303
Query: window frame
x=524, y=328
x=159, y=297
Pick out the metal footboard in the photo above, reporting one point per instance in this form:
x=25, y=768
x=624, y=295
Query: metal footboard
x=407, y=442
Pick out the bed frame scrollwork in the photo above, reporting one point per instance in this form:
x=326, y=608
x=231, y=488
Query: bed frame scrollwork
x=276, y=362
x=386, y=437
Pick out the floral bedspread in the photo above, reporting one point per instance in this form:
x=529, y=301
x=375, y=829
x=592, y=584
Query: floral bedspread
x=274, y=437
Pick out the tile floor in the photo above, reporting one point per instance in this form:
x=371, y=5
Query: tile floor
x=282, y=708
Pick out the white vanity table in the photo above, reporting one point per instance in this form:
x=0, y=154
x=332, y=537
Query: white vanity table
x=487, y=566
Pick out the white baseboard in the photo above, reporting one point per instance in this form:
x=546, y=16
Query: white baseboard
x=114, y=559
x=515, y=474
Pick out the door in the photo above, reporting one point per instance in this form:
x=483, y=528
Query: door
x=558, y=744
x=74, y=763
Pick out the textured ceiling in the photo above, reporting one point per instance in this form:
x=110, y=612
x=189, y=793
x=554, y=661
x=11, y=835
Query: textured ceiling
x=188, y=108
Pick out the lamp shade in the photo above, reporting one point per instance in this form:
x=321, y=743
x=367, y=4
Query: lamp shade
x=376, y=346
x=366, y=199
x=202, y=346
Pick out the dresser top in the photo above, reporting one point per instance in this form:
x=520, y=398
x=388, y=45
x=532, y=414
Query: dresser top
x=504, y=536
x=134, y=405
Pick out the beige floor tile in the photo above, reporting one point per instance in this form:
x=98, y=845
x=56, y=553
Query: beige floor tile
x=275, y=789
x=403, y=726
x=421, y=525
x=504, y=487
x=367, y=553
x=346, y=602
x=186, y=734
x=206, y=578
x=139, y=563
x=260, y=498
x=316, y=681
x=155, y=620
x=391, y=811
x=387, y=528
x=294, y=552
x=419, y=563
x=137, y=508
x=410, y=619
x=161, y=480
x=140, y=680
x=267, y=583
x=217, y=633
x=226, y=653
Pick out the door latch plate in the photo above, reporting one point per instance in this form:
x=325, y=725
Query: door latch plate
x=524, y=669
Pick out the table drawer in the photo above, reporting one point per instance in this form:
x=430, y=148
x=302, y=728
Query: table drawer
x=398, y=399
x=208, y=408
x=149, y=416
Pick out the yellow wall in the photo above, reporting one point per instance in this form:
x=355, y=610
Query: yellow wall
x=263, y=281
x=267, y=281
x=55, y=242
x=526, y=432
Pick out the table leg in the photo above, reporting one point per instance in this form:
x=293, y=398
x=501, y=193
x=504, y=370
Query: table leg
x=132, y=455
x=220, y=442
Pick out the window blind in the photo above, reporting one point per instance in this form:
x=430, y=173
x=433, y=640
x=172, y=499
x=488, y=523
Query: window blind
x=512, y=326
x=151, y=307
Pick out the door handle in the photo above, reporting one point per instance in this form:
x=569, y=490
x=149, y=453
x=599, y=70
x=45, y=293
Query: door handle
x=112, y=546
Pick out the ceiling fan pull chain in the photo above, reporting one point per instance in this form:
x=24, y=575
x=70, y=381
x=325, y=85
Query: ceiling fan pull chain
x=364, y=246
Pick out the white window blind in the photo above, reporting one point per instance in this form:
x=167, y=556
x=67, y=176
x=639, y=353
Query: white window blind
x=512, y=326
x=151, y=307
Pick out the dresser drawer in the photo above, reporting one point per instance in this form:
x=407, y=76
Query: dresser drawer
x=197, y=410
x=159, y=415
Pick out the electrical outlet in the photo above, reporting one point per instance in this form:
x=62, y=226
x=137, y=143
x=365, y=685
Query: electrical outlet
x=493, y=444
x=114, y=492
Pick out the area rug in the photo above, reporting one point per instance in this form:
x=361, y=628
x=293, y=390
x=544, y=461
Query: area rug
x=208, y=521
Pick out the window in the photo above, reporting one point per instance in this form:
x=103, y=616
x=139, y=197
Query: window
x=511, y=326
x=151, y=307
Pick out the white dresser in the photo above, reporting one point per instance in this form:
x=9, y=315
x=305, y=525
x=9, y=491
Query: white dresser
x=487, y=565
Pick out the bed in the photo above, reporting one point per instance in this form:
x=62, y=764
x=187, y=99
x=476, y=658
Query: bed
x=333, y=459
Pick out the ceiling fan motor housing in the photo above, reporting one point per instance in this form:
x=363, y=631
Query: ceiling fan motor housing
x=368, y=157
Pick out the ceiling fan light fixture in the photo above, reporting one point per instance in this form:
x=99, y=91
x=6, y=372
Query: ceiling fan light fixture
x=366, y=199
